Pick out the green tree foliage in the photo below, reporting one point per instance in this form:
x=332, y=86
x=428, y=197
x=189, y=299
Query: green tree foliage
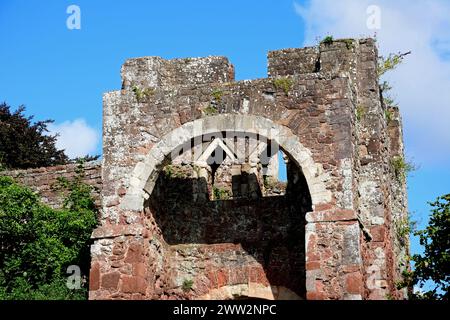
x=26, y=144
x=38, y=243
x=434, y=264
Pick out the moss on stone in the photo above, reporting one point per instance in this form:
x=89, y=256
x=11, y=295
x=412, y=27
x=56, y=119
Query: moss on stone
x=284, y=84
x=217, y=95
x=187, y=284
x=221, y=194
x=360, y=112
x=349, y=43
x=141, y=94
x=210, y=110
x=327, y=40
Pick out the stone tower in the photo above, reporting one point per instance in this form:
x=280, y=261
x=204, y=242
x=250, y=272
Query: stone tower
x=191, y=205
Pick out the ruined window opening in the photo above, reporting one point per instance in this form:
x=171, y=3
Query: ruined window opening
x=282, y=167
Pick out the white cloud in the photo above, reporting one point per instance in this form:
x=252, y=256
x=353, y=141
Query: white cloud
x=422, y=83
x=75, y=137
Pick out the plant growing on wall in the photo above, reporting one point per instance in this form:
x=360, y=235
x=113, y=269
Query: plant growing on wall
x=217, y=95
x=327, y=40
x=141, y=94
x=386, y=64
x=402, y=168
x=360, y=112
x=284, y=84
x=210, y=110
x=220, y=194
x=388, y=114
x=404, y=227
x=187, y=285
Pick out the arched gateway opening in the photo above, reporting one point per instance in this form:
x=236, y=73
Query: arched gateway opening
x=223, y=225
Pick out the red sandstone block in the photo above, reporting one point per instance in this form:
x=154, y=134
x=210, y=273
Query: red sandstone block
x=134, y=253
x=132, y=284
x=211, y=275
x=354, y=283
x=312, y=265
x=128, y=284
x=222, y=247
x=345, y=223
x=140, y=270
x=377, y=233
x=110, y=280
x=350, y=268
x=323, y=207
x=201, y=286
x=238, y=275
x=312, y=254
x=258, y=275
x=253, y=274
x=94, y=277
x=319, y=284
x=222, y=278
x=141, y=285
x=314, y=296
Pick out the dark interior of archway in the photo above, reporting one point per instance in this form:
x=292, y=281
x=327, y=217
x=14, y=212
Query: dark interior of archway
x=270, y=230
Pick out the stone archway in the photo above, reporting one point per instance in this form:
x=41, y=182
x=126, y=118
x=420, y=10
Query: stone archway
x=146, y=172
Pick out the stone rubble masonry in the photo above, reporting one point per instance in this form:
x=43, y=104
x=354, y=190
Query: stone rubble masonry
x=44, y=180
x=323, y=106
x=151, y=72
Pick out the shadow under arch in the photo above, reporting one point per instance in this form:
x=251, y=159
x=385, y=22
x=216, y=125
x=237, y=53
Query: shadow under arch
x=254, y=242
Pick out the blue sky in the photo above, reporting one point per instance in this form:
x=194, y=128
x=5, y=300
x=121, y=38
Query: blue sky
x=61, y=74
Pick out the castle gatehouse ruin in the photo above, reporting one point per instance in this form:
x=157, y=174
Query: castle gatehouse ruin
x=193, y=201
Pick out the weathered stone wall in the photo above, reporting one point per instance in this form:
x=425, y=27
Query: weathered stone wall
x=381, y=195
x=323, y=107
x=44, y=180
x=399, y=205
